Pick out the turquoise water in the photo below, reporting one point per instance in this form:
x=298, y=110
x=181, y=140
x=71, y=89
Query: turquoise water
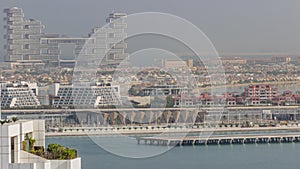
x=254, y=156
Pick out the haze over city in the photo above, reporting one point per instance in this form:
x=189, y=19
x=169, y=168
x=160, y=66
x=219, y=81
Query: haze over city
x=75, y=94
x=234, y=26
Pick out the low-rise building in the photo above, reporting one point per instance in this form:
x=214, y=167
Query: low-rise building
x=260, y=94
x=234, y=61
x=281, y=59
x=12, y=147
x=96, y=95
x=230, y=101
x=164, y=90
x=178, y=64
x=19, y=95
x=187, y=101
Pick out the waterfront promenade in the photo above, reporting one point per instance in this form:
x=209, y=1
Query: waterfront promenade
x=209, y=108
x=157, y=116
x=142, y=130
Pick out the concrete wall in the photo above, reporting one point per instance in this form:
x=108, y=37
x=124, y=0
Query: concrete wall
x=31, y=158
x=23, y=159
x=66, y=164
x=6, y=132
x=22, y=166
x=29, y=166
x=39, y=132
x=52, y=164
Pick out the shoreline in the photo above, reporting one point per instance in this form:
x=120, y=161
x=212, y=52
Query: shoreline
x=169, y=131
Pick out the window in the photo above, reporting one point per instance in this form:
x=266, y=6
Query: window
x=111, y=35
x=26, y=46
x=111, y=56
x=112, y=46
x=44, y=51
x=26, y=36
x=44, y=41
x=12, y=149
x=26, y=26
x=92, y=41
x=26, y=57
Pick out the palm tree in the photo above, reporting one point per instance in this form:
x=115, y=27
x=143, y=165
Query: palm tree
x=158, y=120
x=224, y=118
x=246, y=117
x=235, y=118
x=14, y=119
x=257, y=117
x=2, y=122
x=24, y=143
x=31, y=143
x=268, y=116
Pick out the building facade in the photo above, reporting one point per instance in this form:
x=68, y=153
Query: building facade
x=98, y=95
x=281, y=59
x=50, y=47
x=260, y=94
x=19, y=95
x=177, y=64
x=22, y=36
x=13, y=155
x=109, y=41
x=25, y=41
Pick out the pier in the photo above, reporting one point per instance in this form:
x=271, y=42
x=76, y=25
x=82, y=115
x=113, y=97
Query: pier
x=220, y=140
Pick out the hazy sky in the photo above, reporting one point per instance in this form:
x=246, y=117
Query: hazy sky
x=234, y=26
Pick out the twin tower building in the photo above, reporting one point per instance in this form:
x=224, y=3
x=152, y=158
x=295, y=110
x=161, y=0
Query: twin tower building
x=26, y=43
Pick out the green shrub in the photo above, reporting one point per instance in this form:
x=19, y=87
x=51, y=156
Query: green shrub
x=57, y=151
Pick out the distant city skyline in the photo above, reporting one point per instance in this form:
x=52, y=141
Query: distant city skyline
x=234, y=26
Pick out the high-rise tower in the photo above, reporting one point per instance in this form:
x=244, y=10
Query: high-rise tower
x=22, y=35
x=27, y=42
x=114, y=35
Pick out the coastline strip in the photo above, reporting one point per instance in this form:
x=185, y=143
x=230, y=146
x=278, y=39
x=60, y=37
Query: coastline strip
x=114, y=131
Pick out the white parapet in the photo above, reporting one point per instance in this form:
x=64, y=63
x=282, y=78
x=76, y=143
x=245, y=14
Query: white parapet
x=12, y=136
x=66, y=164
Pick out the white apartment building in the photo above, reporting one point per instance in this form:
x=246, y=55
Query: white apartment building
x=96, y=95
x=19, y=95
x=12, y=155
x=28, y=46
x=22, y=37
x=107, y=44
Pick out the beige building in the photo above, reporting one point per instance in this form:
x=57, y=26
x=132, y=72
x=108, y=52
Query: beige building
x=178, y=64
x=234, y=61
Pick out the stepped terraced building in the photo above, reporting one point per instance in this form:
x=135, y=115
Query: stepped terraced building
x=19, y=95
x=98, y=95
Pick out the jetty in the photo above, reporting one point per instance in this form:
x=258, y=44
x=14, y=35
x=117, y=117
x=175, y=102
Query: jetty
x=220, y=140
